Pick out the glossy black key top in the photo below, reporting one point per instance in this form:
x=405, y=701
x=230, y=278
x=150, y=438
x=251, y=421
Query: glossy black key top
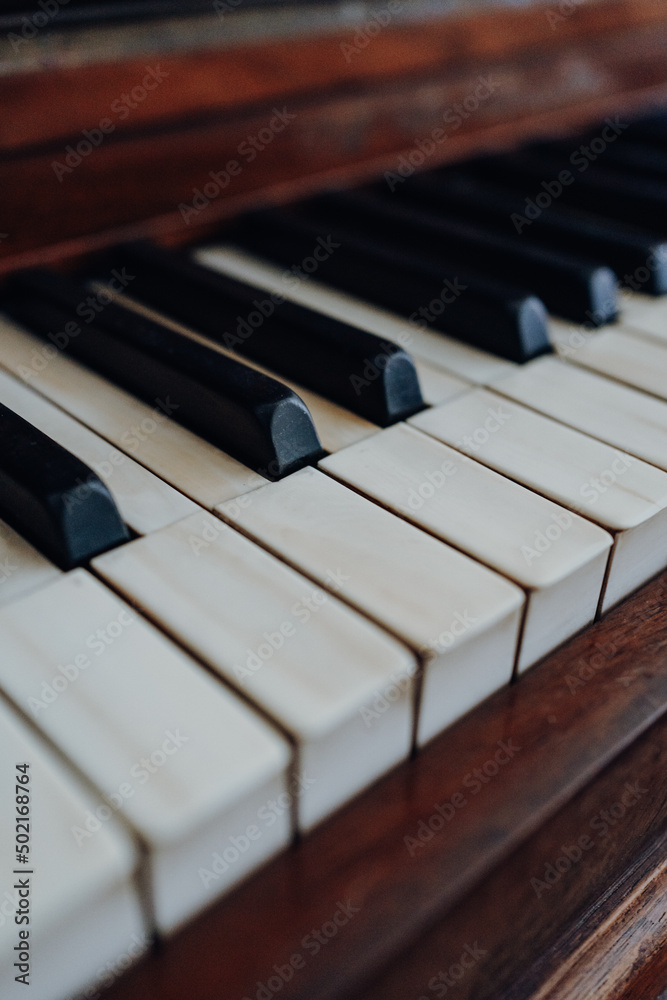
x=569, y=286
x=638, y=201
x=503, y=319
x=255, y=418
x=623, y=248
x=60, y=505
x=317, y=351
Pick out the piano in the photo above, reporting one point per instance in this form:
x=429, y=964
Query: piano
x=333, y=493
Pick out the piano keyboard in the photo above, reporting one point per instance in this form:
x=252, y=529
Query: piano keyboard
x=285, y=507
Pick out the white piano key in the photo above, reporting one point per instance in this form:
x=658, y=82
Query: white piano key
x=557, y=557
x=336, y=427
x=144, y=501
x=620, y=353
x=303, y=657
x=78, y=904
x=461, y=619
x=183, y=759
x=435, y=349
x=145, y=433
x=644, y=312
x=621, y=493
x=22, y=567
x=617, y=414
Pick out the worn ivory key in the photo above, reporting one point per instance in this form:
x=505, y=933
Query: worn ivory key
x=171, y=751
x=461, y=619
x=301, y=656
x=621, y=493
x=557, y=557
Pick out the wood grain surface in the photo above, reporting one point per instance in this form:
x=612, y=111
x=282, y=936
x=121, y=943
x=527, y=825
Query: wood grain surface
x=353, y=117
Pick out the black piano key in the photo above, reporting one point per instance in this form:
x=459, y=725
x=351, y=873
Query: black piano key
x=324, y=354
x=638, y=201
x=569, y=286
x=652, y=130
x=635, y=158
x=255, y=418
x=51, y=498
x=503, y=319
x=623, y=248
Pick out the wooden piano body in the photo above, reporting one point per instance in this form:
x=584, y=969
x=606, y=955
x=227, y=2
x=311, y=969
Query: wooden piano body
x=490, y=887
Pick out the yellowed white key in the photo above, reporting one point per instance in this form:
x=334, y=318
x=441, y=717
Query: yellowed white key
x=22, y=567
x=66, y=910
x=436, y=350
x=644, y=312
x=303, y=657
x=147, y=434
x=170, y=749
x=621, y=493
x=621, y=353
x=557, y=557
x=144, y=501
x=461, y=619
x=617, y=414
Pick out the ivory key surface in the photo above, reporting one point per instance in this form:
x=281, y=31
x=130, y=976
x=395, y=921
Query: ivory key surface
x=557, y=557
x=461, y=619
x=299, y=654
x=170, y=750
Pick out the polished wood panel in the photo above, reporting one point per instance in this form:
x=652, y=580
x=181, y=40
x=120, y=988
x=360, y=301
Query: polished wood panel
x=353, y=119
x=587, y=719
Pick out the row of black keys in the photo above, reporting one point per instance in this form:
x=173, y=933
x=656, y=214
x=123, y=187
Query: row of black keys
x=395, y=251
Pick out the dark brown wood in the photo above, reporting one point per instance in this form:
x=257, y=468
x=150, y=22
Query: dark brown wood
x=587, y=720
x=352, y=119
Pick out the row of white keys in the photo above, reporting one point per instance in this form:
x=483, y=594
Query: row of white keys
x=607, y=410
x=557, y=557
x=624, y=354
x=147, y=434
x=336, y=427
x=66, y=910
x=461, y=619
x=171, y=751
x=145, y=502
x=22, y=568
x=624, y=495
x=445, y=365
x=302, y=656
